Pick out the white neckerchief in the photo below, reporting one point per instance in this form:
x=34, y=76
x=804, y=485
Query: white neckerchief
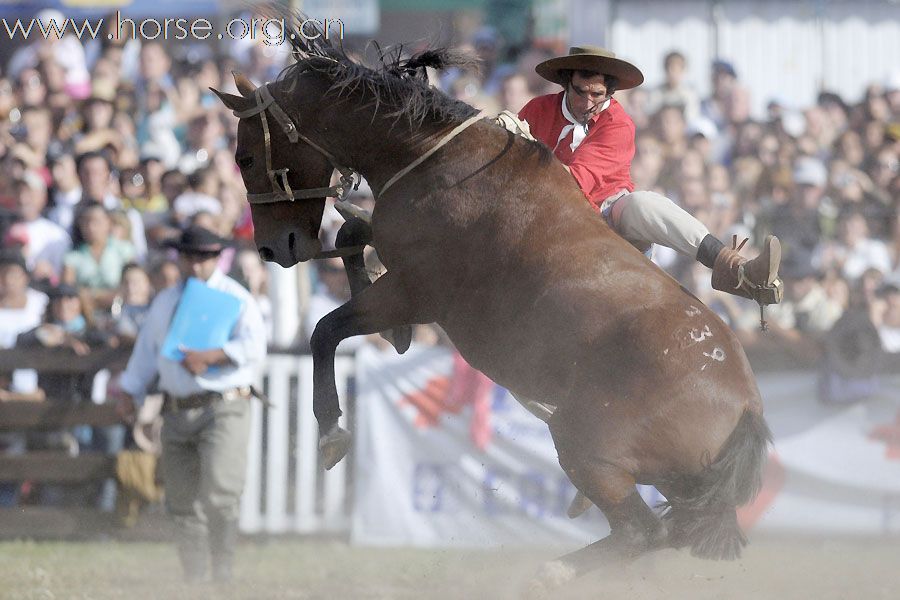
x=580, y=129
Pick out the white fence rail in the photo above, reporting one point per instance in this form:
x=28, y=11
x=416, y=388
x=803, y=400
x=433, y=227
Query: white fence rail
x=286, y=490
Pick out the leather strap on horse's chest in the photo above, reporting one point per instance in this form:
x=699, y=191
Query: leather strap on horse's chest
x=444, y=141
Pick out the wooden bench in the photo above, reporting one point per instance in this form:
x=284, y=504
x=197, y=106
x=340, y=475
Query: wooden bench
x=56, y=467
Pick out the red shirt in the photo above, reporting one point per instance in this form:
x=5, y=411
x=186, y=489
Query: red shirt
x=601, y=164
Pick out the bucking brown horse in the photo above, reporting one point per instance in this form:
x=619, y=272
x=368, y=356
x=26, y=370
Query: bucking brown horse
x=486, y=234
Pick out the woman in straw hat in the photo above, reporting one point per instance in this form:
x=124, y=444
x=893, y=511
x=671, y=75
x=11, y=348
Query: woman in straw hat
x=593, y=136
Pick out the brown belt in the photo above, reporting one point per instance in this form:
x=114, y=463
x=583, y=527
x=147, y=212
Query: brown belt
x=204, y=399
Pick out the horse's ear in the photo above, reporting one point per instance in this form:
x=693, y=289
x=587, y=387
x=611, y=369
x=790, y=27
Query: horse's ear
x=244, y=85
x=236, y=103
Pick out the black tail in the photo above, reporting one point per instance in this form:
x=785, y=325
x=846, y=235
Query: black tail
x=702, y=515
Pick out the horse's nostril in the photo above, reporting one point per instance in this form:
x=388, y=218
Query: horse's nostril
x=266, y=254
x=291, y=241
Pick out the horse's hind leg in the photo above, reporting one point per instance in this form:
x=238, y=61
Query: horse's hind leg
x=356, y=232
x=635, y=529
x=381, y=306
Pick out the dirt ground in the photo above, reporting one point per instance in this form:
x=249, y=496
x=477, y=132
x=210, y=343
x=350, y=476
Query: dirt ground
x=852, y=569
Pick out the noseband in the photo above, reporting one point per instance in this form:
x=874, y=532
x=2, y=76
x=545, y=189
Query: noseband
x=281, y=187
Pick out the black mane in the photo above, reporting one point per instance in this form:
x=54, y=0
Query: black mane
x=399, y=84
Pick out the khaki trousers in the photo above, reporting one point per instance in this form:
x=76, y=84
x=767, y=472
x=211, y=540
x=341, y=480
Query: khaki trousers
x=645, y=218
x=204, y=460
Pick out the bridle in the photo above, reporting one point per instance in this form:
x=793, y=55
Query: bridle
x=281, y=187
x=349, y=180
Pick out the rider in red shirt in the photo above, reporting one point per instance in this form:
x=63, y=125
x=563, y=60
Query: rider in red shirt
x=593, y=136
x=601, y=163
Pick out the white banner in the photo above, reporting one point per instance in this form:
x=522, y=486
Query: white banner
x=436, y=469
x=834, y=469
x=421, y=478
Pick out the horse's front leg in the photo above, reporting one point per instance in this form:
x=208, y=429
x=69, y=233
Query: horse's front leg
x=356, y=232
x=381, y=306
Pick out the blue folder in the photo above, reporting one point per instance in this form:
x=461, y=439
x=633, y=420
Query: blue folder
x=203, y=320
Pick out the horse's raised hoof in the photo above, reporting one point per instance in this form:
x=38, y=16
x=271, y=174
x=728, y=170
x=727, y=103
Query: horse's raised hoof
x=399, y=337
x=551, y=576
x=334, y=445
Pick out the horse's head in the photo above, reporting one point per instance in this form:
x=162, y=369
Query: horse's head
x=286, y=178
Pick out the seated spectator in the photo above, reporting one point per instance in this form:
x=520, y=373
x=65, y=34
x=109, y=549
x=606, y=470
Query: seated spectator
x=797, y=222
x=854, y=251
x=852, y=356
x=806, y=309
x=201, y=196
x=66, y=189
x=852, y=189
x=47, y=242
x=68, y=323
x=675, y=91
x=164, y=273
x=886, y=317
x=95, y=174
x=21, y=309
x=137, y=195
x=870, y=283
x=249, y=271
x=514, y=92
x=132, y=302
x=97, y=261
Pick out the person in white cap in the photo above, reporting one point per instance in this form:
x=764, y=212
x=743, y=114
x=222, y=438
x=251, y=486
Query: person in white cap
x=593, y=136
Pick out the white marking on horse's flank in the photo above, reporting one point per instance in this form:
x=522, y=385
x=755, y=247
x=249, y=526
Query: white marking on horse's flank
x=665, y=352
x=698, y=335
x=717, y=354
x=693, y=311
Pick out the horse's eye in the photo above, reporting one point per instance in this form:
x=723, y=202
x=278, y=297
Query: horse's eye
x=246, y=162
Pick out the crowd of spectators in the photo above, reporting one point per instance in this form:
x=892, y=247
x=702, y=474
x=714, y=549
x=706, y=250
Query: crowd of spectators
x=108, y=148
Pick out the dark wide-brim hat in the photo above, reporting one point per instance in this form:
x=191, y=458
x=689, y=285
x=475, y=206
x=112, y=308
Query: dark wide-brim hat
x=198, y=240
x=11, y=256
x=63, y=290
x=591, y=58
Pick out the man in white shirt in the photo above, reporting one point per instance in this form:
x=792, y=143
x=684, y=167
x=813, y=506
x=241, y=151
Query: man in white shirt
x=206, y=422
x=22, y=308
x=47, y=241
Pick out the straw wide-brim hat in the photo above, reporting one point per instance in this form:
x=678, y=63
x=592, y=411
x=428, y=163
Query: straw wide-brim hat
x=591, y=58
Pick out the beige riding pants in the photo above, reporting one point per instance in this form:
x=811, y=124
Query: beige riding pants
x=644, y=218
x=204, y=460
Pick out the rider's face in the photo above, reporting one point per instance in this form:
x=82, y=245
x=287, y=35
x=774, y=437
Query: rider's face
x=586, y=95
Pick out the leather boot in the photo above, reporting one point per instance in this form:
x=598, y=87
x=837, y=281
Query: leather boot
x=756, y=279
x=222, y=542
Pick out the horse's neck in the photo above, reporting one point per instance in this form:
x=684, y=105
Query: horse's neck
x=382, y=147
x=367, y=141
